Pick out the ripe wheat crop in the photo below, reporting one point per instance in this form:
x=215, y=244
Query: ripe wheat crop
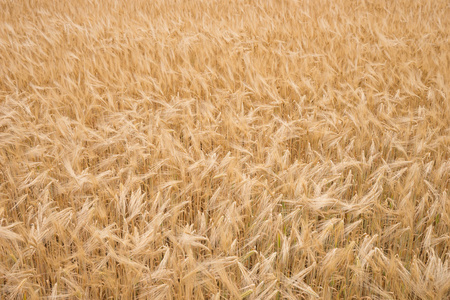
x=224, y=149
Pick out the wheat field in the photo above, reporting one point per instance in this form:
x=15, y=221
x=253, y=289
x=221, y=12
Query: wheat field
x=224, y=149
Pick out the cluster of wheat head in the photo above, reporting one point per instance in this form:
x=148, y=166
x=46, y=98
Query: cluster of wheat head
x=224, y=149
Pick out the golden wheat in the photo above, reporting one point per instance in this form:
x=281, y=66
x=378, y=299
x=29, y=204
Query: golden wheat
x=224, y=149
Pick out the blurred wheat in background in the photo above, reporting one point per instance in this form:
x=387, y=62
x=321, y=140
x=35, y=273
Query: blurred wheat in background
x=224, y=149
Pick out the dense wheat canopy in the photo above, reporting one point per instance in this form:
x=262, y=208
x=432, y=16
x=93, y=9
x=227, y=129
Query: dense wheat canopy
x=224, y=149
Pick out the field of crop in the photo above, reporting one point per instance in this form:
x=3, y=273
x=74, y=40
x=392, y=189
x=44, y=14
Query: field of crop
x=224, y=149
